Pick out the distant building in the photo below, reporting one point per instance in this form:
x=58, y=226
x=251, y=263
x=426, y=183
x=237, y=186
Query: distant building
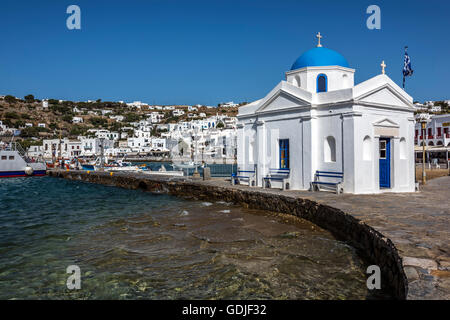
x=228, y=104
x=35, y=152
x=106, y=111
x=436, y=109
x=77, y=120
x=437, y=131
x=45, y=103
x=117, y=118
x=177, y=112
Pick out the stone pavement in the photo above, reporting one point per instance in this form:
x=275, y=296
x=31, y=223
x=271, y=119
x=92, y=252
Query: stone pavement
x=417, y=223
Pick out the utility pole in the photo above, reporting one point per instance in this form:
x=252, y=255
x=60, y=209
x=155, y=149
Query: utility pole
x=423, y=118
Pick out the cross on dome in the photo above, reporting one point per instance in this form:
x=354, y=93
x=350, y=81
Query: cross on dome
x=318, y=38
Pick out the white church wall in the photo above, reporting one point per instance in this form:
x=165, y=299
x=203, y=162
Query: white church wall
x=276, y=128
x=402, y=166
x=335, y=78
x=329, y=143
x=338, y=77
x=365, y=155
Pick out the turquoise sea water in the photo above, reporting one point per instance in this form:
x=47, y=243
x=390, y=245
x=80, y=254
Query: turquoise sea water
x=135, y=245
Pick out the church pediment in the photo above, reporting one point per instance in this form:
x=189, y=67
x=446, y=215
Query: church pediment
x=384, y=95
x=386, y=123
x=282, y=100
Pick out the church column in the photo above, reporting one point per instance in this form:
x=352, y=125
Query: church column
x=307, y=155
x=241, y=146
x=376, y=163
x=261, y=152
x=395, y=162
x=348, y=152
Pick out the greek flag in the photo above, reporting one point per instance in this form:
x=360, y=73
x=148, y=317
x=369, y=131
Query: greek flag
x=407, y=70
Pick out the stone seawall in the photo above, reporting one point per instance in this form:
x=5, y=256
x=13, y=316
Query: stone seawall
x=371, y=244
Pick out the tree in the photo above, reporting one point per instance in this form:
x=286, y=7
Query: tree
x=12, y=115
x=67, y=118
x=220, y=125
x=10, y=99
x=29, y=98
x=97, y=121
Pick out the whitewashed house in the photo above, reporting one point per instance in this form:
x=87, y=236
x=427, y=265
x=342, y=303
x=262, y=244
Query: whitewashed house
x=77, y=120
x=177, y=112
x=319, y=120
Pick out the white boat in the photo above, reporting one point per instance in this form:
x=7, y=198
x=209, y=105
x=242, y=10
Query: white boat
x=120, y=165
x=15, y=163
x=163, y=171
x=187, y=165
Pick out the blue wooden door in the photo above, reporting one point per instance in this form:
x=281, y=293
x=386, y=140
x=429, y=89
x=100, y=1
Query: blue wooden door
x=385, y=163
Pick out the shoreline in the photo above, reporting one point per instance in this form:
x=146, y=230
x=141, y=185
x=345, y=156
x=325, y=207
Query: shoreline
x=370, y=244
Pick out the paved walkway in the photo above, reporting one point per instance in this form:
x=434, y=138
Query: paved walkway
x=417, y=223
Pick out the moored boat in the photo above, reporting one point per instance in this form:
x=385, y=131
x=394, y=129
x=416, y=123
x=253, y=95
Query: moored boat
x=15, y=163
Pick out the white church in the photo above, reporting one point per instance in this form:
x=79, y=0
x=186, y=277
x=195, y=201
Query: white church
x=318, y=126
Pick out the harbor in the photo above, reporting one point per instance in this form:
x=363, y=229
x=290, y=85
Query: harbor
x=406, y=234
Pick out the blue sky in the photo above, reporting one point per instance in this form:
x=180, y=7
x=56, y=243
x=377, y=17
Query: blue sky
x=189, y=52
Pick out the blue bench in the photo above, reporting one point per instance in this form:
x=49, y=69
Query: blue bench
x=278, y=175
x=333, y=181
x=246, y=175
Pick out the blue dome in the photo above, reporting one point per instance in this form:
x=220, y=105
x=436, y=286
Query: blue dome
x=318, y=57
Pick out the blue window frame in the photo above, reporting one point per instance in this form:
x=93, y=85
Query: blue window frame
x=322, y=83
x=284, y=153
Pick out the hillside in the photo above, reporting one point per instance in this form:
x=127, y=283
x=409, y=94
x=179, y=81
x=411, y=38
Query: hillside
x=58, y=116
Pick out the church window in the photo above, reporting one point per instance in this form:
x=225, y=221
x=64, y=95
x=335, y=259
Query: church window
x=297, y=81
x=330, y=149
x=402, y=148
x=284, y=153
x=367, y=148
x=322, y=85
x=382, y=149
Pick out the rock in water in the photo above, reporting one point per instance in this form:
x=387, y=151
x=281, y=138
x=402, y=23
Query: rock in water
x=290, y=235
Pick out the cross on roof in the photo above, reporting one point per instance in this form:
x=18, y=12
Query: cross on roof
x=319, y=37
x=383, y=65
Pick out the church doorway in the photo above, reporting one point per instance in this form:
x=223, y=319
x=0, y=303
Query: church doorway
x=385, y=163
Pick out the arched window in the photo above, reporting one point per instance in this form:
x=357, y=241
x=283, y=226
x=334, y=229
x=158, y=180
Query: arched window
x=345, y=80
x=402, y=148
x=329, y=151
x=297, y=81
x=367, y=148
x=431, y=143
x=322, y=85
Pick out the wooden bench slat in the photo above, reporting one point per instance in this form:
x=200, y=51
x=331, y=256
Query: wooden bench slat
x=327, y=174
